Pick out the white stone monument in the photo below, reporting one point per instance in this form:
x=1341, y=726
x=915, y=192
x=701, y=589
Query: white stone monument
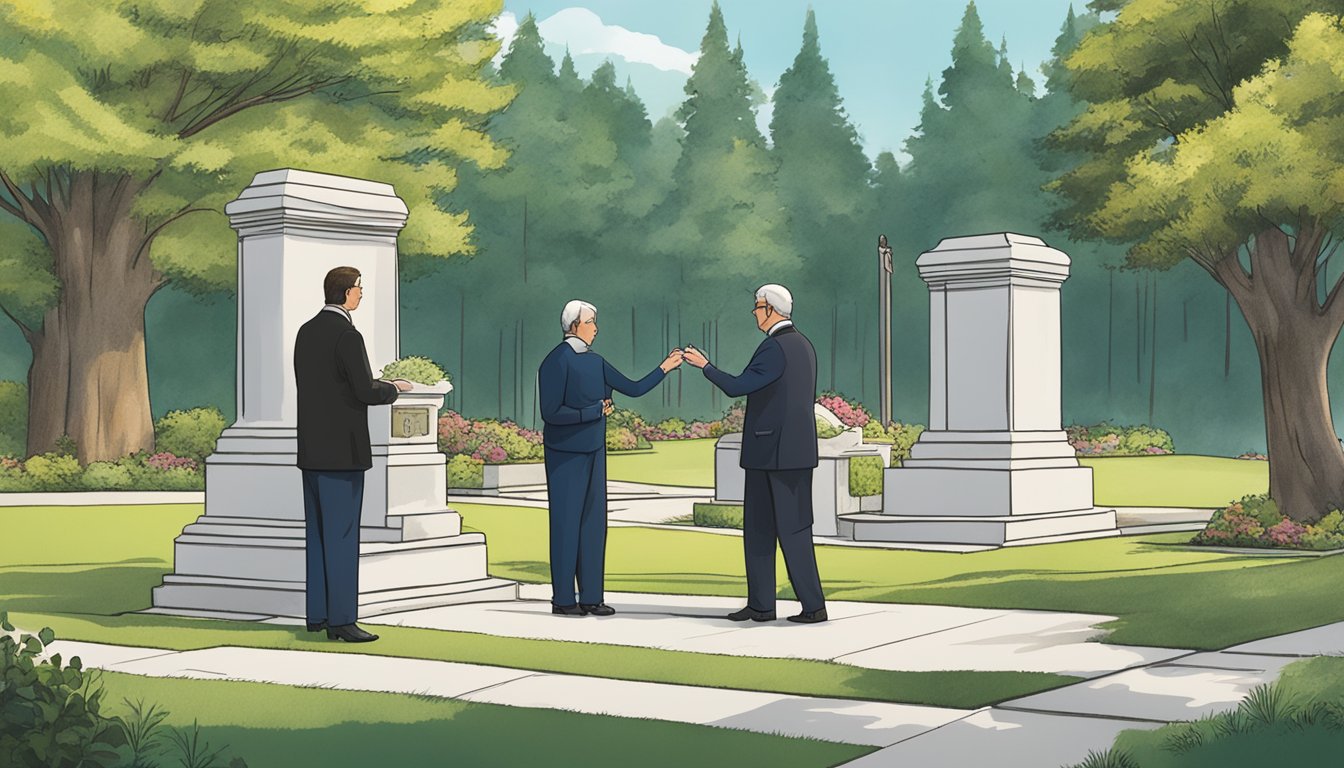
x=245, y=556
x=995, y=467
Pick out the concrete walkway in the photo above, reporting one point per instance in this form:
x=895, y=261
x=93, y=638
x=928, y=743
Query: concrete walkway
x=1053, y=728
x=890, y=636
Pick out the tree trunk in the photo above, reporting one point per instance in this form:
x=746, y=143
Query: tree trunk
x=89, y=378
x=1110, y=333
x=1152, y=358
x=1293, y=337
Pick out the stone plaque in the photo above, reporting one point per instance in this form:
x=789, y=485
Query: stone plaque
x=409, y=422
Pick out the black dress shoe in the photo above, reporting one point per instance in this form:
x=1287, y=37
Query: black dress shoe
x=567, y=610
x=810, y=617
x=601, y=609
x=318, y=627
x=753, y=614
x=350, y=633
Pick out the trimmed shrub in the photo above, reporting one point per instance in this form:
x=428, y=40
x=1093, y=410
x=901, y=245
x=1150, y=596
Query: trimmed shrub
x=417, y=369
x=1107, y=439
x=825, y=430
x=717, y=515
x=865, y=476
x=106, y=476
x=622, y=439
x=191, y=433
x=465, y=472
x=902, y=438
x=53, y=472
x=492, y=442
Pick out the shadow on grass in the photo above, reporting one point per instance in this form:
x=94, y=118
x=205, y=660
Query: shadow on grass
x=490, y=735
x=109, y=589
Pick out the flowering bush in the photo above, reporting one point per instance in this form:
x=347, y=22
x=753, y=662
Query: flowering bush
x=851, y=413
x=622, y=439
x=735, y=418
x=166, y=461
x=1107, y=439
x=489, y=441
x=1255, y=521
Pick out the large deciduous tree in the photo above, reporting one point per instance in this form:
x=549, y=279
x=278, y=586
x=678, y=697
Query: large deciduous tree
x=128, y=125
x=1216, y=134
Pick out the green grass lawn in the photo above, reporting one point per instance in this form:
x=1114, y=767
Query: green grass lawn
x=671, y=462
x=1175, y=481
x=87, y=582
x=282, y=726
x=1130, y=481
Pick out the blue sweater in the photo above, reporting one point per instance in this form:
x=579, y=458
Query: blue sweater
x=572, y=386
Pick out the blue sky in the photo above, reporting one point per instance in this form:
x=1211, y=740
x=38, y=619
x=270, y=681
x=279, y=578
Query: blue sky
x=881, y=51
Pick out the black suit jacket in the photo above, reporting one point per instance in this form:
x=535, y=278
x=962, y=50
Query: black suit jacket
x=780, y=382
x=336, y=388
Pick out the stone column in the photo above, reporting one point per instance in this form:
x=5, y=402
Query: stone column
x=995, y=466
x=245, y=555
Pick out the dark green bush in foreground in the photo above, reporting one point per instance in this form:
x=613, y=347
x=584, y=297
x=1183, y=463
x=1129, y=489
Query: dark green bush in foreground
x=52, y=716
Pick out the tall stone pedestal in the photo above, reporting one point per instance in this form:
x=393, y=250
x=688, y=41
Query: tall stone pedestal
x=245, y=555
x=994, y=468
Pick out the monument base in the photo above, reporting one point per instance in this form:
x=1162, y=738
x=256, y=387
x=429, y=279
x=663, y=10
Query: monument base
x=393, y=575
x=936, y=532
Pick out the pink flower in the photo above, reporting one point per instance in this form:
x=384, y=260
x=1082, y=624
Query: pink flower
x=166, y=461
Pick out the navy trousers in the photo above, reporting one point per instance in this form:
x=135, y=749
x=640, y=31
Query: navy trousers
x=576, y=486
x=331, y=505
x=778, y=505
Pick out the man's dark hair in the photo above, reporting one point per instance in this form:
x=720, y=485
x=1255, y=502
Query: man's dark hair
x=337, y=282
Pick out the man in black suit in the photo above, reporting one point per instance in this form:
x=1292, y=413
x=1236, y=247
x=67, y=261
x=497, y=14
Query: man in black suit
x=779, y=452
x=335, y=388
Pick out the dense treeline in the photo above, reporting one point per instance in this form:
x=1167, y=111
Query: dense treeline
x=667, y=226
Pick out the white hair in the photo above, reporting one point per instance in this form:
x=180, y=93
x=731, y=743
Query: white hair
x=573, y=311
x=778, y=297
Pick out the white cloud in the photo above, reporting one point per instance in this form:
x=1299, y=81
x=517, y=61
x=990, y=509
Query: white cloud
x=584, y=33
x=504, y=27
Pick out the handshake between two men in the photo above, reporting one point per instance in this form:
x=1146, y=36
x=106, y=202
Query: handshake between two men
x=779, y=452
x=673, y=361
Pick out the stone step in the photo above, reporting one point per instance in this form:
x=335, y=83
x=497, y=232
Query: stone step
x=997, y=530
x=253, y=597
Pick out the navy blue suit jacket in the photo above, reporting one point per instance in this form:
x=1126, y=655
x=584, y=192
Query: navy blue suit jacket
x=572, y=386
x=780, y=382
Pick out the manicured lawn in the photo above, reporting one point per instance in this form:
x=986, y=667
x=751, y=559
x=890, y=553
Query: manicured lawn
x=1129, y=481
x=283, y=726
x=1175, y=481
x=671, y=462
x=87, y=581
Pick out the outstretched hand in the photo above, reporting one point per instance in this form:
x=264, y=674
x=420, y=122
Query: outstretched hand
x=673, y=360
x=695, y=357
x=608, y=407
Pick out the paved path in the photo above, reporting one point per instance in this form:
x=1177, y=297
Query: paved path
x=1053, y=728
x=889, y=636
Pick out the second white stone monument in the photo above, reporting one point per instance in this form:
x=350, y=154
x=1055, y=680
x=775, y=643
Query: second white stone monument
x=995, y=466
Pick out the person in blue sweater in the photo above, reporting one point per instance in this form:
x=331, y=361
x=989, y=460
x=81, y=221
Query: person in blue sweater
x=574, y=389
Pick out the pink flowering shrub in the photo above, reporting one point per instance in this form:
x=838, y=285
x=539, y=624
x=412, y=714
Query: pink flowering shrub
x=487, y=440
x=165, y=461
x=1106, y=439
x=1255, y=521
x=851, y=413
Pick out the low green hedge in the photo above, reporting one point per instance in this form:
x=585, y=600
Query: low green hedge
x=717, y=515
x=865, y=476
x=465, y=472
